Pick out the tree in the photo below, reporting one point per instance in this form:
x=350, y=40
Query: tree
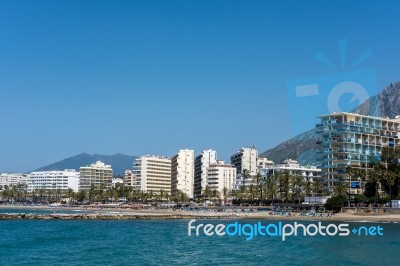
x=70, y=195
x=308, y=187
x=340, y=188
x=252, y=193
x=297, y=182
x=225, y=193
x=81, y=196
x=335, y=203
x=272, y=187
x=284, y=185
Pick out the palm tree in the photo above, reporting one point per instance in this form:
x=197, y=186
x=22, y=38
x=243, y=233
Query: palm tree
x=317, y=186
x=375, y=177
x=225, y=193
x=340, y=189
x=70, y=195
x=215, y=195
x=297, y=186
x=252, y=193
x=206, y=193
x=81, y=196
x=162, y=193
x=242, y=193
x=272, y=187
x=260, y=186
x=308, y=187
x=284, y=184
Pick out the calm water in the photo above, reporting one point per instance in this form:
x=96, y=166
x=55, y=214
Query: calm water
x=166, y=242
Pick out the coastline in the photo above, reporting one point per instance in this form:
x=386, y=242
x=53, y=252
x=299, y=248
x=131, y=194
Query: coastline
x=28, y=213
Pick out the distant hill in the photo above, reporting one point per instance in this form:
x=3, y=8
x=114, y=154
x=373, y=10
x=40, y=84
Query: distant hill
x=303, y=147
x=119, y=162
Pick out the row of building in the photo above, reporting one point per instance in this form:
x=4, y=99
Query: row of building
x=345, y=139
x=185, y=172
x=97, y=174
x=192, y=174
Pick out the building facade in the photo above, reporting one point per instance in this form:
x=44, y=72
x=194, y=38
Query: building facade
x=12, y=179
x=97, y=174
x=354, y=140
x=221, y=176
x=54, y=180
x=182, y=173
x=310, y=173
x=201, y=163
x=151, y=173
x=245, y=159
x=130, y=179
x=264, y=163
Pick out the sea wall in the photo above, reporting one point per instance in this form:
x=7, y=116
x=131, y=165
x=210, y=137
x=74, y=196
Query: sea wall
x=24, y=216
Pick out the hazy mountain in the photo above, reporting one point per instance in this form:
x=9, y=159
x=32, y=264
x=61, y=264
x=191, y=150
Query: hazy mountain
x=303, y=147
x=119, y=162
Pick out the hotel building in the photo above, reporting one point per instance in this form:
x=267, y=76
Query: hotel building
x=310, y=173
x=355, y=140
x=201, y=163
x=245, y=159
x=220, y=176
x=150, y=173
x=182, y=172
x=54, y=180
x=12, y=179
x=130, y=179
x=96, y=174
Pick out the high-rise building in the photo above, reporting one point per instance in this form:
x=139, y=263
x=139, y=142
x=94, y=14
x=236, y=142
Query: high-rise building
x=245, y=159
x=201, y=162
x=182, y=172
x=348, y=139
x=130, y=179
x=12, y=179
x=151, y=173
x=221, y=176
x=97, y=174
x=54, y=180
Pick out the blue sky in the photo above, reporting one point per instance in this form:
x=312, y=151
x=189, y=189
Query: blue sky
x=151, y=77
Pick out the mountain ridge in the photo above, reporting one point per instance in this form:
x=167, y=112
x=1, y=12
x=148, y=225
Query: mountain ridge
x=119, y=162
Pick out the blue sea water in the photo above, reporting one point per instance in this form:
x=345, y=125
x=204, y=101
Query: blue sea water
x=166, y=242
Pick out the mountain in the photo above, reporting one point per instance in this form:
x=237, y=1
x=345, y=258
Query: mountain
x=119, y=162
x=303, y=147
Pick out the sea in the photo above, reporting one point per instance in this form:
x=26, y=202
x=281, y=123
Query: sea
x=166, y=242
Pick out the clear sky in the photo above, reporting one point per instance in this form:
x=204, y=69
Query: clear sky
x=151, y=77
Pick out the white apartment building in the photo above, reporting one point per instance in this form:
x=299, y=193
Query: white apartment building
x=264, y=163
x=12, y=179
x=220, y=176
x=130, y=179
x=245, y=159
x=54, y=180
x=96, y=174
x=310, y=173
x=182, y=172
x=201, y=163
x=151, y=173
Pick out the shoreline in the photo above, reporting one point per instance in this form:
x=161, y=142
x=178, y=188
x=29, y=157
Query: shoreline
x=129, y=214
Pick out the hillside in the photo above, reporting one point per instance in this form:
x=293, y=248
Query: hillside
x=119, y=162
